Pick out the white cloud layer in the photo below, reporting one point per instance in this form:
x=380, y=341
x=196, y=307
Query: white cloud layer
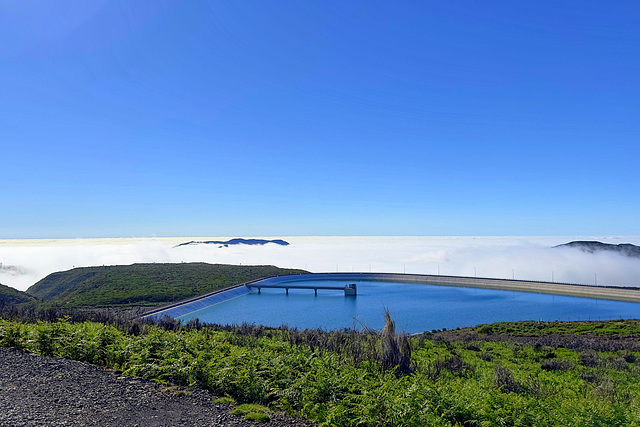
x=24, y=262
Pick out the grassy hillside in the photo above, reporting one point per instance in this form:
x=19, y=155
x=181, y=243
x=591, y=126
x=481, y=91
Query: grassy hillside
x=622, y=328
x=143, y=284
x=11, y=296
x=471, y=377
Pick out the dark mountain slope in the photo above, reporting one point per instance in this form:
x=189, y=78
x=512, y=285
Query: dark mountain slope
x=11, y=296
x=593, y=246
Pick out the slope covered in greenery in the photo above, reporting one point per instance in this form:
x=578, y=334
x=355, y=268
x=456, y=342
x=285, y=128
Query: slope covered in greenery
x=342, y=378
x=11, y=296
x=143, y=284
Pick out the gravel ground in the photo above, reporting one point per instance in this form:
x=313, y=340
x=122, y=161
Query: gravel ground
x=49, y=391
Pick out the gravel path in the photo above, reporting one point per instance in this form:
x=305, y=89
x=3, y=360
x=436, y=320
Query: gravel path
x=49, y=391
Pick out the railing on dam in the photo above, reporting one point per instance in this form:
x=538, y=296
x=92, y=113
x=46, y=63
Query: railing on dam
x=197, y=303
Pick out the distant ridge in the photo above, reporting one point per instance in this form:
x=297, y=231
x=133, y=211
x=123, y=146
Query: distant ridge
x=594, y=246
x=236, y=242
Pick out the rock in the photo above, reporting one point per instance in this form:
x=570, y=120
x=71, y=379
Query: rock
x=84, y=394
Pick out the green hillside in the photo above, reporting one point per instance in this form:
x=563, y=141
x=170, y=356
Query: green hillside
x=143, y=284
x=473, y=377
x=11, y=296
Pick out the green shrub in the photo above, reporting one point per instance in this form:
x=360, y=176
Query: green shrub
x=336, y=378
x=225, y=401
x=13, y=335
x=258, y=417
x=505, y=382
x=245, y=408
x=252, y=412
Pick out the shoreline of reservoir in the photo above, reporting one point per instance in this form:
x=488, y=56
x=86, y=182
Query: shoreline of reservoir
x=551, y=288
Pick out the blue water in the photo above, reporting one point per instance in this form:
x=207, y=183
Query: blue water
x=414, y=307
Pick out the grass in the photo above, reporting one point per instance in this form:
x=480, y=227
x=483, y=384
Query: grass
x=247, y=408
x=510, y=373
x=253, y=412
x=143, y=284
x=628, y=328
x=529, y=376
x=225, y=401
x=176, y=391
x=259, y=417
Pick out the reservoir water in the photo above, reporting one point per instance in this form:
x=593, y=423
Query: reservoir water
x=414, y=307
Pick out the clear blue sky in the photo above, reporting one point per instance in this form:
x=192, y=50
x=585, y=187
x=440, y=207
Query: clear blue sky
x=240, y=118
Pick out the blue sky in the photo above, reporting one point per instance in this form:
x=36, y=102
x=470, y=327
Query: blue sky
x=240, y=118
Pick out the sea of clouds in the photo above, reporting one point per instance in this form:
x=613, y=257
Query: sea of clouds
x=24, y=262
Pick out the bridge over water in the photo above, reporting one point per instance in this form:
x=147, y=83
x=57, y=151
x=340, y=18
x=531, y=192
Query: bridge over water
x=349, y=290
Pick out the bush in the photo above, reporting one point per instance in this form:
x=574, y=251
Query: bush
x=606, y=390
x=484, y=329
x=589, y=377
x=225, y=401
x=589, y=359
x=557, y=365
x=395, y=350
x=258, y=417
x=473, y=347
x=13, y=335
x=616, y=363
x=505, y=382
x=253, y=412
x=336, y=378
x=487, y=357
x=629, y=357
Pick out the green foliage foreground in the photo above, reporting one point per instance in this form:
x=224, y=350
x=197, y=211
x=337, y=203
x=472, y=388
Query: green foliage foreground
x=464, y=378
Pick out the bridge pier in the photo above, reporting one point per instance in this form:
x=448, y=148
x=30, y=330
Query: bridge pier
x=351, y=290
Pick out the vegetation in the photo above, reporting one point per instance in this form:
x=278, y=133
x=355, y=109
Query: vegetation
x=512, y=373
x=538, y=374
x=253, y=412
x=624, y=328
x=11, y=296
x=225, y=401
x=143, y=284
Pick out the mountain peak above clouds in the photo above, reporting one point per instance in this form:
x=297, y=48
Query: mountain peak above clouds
x=236, y=241
x=626, y=249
